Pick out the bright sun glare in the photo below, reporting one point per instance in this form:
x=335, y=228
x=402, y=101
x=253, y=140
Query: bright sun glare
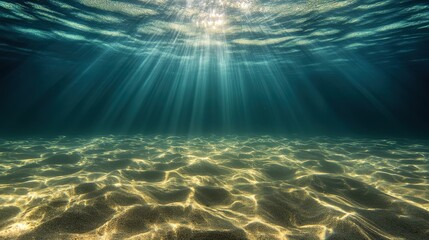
x=212, y=16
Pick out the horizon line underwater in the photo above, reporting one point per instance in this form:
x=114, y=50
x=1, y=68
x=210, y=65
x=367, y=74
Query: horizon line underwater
x=214, y=119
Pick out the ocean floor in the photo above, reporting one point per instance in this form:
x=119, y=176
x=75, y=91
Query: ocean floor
x=220, y=187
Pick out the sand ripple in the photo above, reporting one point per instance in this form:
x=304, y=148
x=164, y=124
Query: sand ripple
x=264, y=187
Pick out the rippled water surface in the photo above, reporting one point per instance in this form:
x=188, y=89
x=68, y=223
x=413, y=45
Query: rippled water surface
x=324, y=28
x=229, y=187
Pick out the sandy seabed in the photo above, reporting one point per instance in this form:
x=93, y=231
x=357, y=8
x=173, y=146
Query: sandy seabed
x=230, y=187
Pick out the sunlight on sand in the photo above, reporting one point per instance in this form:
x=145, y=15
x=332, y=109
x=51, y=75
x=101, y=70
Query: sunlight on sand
x=231, y=187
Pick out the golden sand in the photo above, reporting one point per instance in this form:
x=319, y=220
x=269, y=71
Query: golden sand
x=263, y=187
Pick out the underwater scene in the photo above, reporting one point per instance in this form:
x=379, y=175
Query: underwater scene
x=214, y=119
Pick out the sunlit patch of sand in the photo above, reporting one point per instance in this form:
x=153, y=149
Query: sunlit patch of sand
x=160, y=187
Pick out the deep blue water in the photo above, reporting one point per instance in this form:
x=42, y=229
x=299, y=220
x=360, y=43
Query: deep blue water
x=306, y=67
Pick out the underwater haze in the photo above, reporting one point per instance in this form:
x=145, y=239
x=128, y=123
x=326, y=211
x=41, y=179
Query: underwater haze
x=214, y=66
x=214, y=119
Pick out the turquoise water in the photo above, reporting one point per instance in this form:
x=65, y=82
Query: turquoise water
x=235, y=119
x=196, y=67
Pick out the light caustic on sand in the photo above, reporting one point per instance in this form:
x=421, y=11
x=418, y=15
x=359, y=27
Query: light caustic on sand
x=159, y=187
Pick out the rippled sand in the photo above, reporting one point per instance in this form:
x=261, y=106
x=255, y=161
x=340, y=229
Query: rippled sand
x=232, y=187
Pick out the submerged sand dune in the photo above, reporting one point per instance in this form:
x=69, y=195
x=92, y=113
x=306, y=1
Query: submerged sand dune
x=264, y=187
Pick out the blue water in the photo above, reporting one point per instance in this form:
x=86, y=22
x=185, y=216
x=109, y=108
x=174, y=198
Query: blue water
x=315, y=67
x=222, y=113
